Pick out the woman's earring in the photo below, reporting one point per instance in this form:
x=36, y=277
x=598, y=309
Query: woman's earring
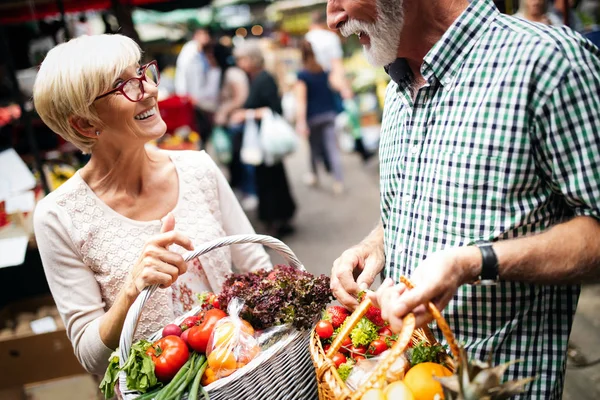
x=97, y=133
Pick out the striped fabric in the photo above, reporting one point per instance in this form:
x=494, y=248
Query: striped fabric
x=502, y=142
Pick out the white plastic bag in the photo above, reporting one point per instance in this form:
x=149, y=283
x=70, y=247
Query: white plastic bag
x=251, y=152
x=278, y=138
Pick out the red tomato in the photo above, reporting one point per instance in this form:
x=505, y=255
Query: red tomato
x=168, y=354
x=338, y=359
x=377, y=347
x=326, y=347
x=357, y=358
x=190, y=321
x=324, y=329
x=199, y=335
x=360, y=350
x=385, y=331
x=346, y=344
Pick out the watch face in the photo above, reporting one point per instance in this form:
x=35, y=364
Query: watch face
x=487, y=282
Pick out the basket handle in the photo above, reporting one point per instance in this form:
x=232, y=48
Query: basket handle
x=135, y=311
x=399, y=347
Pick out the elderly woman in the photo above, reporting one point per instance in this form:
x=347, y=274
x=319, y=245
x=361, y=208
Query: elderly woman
x=276, y=207
x=537, y=11
x=123, y=221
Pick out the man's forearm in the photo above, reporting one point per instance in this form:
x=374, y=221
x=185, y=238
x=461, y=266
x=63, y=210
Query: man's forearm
x=375, y=238
x=568, y=253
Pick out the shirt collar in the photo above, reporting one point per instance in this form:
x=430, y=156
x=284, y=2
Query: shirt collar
x=447, y=56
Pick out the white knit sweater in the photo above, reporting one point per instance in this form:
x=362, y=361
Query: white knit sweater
x=87, y=250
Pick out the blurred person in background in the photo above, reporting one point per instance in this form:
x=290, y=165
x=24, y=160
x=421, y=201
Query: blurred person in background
x=235, y=88
x=490, y=179
x=558, y=10
x=276, y=206
x=537, y=11
x=123, y=221
x=327, y=47
x=198, y=77
x=315, y=118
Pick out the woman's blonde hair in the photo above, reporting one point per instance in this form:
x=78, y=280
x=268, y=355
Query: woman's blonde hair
x=73, y=74
x=251, y=48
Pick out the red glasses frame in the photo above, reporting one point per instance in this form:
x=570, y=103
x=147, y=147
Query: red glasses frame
x=140, y=80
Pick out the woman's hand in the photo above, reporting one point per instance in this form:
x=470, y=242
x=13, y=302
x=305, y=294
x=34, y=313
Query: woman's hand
x=302, y=128
x=238, y=117
x=157, y=265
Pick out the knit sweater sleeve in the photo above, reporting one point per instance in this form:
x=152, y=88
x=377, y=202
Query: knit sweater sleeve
x=73, y=286
x=245, y=257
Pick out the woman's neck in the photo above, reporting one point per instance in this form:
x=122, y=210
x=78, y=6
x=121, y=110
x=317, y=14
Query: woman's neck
x=121, y=171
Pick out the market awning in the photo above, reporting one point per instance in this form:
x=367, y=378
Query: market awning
x=17, y=11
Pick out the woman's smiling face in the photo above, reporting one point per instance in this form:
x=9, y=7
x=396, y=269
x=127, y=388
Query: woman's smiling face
x=126, y=121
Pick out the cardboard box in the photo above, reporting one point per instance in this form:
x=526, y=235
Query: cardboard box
x=28, y=357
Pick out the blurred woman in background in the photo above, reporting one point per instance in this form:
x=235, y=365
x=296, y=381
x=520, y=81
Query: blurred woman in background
x=315, y=118
x=276, y=207
x=537, y=11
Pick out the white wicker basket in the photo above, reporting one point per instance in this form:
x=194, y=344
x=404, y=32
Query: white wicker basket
x=284, y=372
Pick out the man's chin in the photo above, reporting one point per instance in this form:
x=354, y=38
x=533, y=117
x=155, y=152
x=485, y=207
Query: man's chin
x=375, y=58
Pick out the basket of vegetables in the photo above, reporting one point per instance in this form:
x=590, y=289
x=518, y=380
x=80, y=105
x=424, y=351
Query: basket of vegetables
x=357, y=357
x=257, y=349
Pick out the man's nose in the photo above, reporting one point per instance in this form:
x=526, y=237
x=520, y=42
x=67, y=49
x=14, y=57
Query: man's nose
x=336, y=15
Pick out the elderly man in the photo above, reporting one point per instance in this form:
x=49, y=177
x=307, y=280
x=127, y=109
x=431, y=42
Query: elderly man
x=490, y=177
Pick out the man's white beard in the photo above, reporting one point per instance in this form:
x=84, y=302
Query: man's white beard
x=384, y=34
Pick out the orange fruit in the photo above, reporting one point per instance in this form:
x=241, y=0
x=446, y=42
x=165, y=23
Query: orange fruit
x=249, y=354
x=398, y=391
x=419, y=380
x=221, y=358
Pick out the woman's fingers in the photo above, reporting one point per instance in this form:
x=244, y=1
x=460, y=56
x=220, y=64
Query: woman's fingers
x=156, y=272
x=173, y=237
x=175, y=260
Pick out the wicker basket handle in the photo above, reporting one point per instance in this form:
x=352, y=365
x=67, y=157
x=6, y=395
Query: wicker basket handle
x=135, y=310
x=399, y=347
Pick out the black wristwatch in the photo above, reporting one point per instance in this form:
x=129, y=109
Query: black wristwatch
x=489, y=274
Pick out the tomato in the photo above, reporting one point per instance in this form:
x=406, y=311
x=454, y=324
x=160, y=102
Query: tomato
x=360, y=350
x=385, y=331
x=189, y=322
x=213, y=300
x=338, y=359
x=358, y=358
x=200, y=334
x=324, y=329
x=326, y=347
x=377, y=347
x=168, y=355
x=346, y=344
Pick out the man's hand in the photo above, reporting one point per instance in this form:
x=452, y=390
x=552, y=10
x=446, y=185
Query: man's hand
x=364, y=261
x=436, y=280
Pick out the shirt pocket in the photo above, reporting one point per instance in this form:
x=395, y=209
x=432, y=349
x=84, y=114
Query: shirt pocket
x=464, y=200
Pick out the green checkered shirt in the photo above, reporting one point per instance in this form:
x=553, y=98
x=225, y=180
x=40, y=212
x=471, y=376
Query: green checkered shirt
x=502, y=142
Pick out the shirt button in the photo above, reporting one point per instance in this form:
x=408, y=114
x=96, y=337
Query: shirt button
x=407, y=200
x=414, y=150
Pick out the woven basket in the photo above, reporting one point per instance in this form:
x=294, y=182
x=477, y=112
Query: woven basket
x=268, y=376
x=332, y=387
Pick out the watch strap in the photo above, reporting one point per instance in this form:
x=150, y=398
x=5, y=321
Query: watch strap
x=489, y=274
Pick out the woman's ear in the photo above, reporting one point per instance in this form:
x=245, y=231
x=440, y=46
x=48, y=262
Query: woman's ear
x=83, y=126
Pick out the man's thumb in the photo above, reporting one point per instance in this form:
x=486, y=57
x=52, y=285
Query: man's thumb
x=168, y=223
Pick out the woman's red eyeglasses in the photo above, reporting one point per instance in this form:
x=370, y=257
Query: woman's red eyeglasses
x=133, y=88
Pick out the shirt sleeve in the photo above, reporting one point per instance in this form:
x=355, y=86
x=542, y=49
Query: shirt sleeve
x=567, y=132
x=73, y=286
x=245, y=257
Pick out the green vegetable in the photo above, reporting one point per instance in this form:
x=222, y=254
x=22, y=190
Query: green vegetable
x=364, y=333
x=423, y=352
x=139, y=368
x=345, y=369
x=184, y=378
x=196, y=384
x=111, y=376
